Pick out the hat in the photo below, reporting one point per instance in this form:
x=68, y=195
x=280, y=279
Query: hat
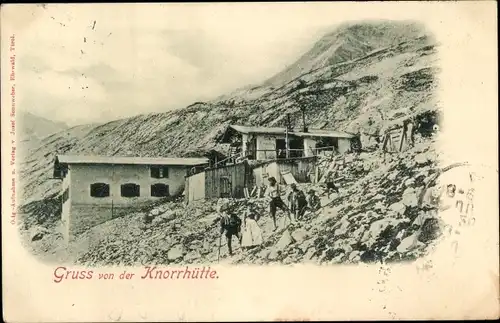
x=293, y=185
x=311, y=192
x=271, y=179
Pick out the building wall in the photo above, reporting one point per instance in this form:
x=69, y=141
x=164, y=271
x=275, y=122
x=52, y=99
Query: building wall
x=82, y=211
x=244, y=144
x=344, y=145
x=116, y=175
x=66, y=206
x=227, y=181
x=266, y=142
x=195, y=187
x=309, y=147
x=301, y=169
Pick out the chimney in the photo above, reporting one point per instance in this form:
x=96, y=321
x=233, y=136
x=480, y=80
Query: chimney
x=288, y=123
x=304, y=120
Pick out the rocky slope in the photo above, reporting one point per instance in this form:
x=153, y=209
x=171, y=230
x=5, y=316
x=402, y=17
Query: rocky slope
x=348, y=42
x=376, y=216
x=356, y=78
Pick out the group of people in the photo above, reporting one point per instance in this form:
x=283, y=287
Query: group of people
x=248, y=231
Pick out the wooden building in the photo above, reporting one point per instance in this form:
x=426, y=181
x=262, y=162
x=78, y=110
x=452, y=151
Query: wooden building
x=241, y=179
x=268, y=143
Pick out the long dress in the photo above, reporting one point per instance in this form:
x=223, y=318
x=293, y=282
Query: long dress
x=252, y=234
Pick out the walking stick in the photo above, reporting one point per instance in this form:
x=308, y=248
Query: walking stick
x=220, y=243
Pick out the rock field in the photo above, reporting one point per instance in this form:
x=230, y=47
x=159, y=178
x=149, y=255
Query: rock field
x=375, y=217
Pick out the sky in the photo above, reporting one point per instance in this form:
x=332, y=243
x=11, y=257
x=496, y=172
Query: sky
x=96, y=63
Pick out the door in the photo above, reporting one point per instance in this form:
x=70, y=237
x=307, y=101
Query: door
x=225, y=186
x=280, y=148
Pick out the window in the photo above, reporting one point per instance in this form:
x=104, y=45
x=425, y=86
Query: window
x=130, y=190
x=159, y=171
x=327, y=144
x=99, y=190
x=159, y=190
x=296, y=147
x=65, y=196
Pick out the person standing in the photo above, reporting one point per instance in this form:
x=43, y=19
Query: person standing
x=274, y=193
x=314, y=202
x=252, y=234
x=298, y=202
x=231, y=224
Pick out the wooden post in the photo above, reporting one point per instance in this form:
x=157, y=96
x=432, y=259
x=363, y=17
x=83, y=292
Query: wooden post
x=286, y=144
x=316, y=172
x=403, y=137
x=304, y=119
x=386, y=141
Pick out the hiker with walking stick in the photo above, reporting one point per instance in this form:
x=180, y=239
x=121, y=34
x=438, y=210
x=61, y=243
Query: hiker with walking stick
x=231, y=224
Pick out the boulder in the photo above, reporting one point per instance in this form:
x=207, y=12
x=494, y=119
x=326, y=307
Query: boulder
x=410, y=197
x=365, y=156
x=410, y=163
x=344, y=224
x=206, y=247
x=304, y=246
x=192, y=255
x=337, y=259
x=38, y=232
x=432, y=156
x=353, y=255
x=347, y=248
x=310, y=253
x=196, y=245
x=273, y=255
x=358, y=233
x=299, y=235
x=420, y=146
x=285, y=240
x=377, y=227
x=392, y=176
x=379, y=206
x=263, y=253
x=421, y=159
x=409, y=182
x=175, y=252
x=155, y=212
x=366, y=236
x=398, y=207
x=431, y=229
x=349, y=158
x=408, y=243
x=165, y=244
x=163, y=208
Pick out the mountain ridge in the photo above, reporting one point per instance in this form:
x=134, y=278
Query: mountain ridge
x=38, y=127
x=342, y=94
